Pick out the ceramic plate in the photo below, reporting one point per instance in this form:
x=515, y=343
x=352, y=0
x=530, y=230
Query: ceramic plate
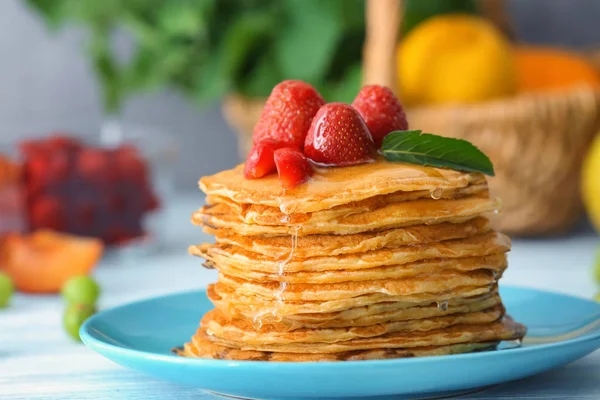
x=141, y=335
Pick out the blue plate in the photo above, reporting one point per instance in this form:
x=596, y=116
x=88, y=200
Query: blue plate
x=141, y=335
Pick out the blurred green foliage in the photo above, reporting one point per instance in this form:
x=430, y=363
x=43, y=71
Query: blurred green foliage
x=207, y=48
x=417, y=11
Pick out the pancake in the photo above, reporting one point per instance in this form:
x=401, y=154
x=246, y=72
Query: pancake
x=406, y=314
x=426, y=283
x=495, y=262
x=264, y=215
x=374, y=261
x=503, y=329
x=395, y=215
x=333, y=245
x=238, y=330
x=330, y=187
x=202, y=347
x=228, y=255
x=259, y=307
x=363, y=316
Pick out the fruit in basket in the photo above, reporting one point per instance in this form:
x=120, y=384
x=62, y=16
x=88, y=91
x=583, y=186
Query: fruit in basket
x=7, y=289
x=41, y=262
x=540, y=68
x=455, y=58
x=590, y=184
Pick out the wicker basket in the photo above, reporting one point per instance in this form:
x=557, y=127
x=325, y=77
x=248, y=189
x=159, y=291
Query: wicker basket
x=536, y=141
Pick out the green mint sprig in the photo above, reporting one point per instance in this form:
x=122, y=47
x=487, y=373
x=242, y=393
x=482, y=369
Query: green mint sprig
x=415, y=147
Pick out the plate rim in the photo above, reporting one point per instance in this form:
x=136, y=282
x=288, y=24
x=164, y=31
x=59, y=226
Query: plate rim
x=93, y=342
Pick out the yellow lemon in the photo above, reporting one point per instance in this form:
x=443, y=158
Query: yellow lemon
x=455, y=58
x=590, y=183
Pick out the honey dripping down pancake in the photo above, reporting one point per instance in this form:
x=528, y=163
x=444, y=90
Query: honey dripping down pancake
x=364, y=260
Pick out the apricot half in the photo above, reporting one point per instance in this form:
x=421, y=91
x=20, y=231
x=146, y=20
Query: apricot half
x=41, y=262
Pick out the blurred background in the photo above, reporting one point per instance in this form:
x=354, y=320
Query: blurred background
x=49, y=81
x=111, y=110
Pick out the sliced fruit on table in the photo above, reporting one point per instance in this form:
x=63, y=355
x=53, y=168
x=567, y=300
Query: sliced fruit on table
x=292, y=167
x=288, y=113
x=41, y=262
x=381, y=110
x=7, y=288
x=74, y=316
x=455, y=58
x=81, y=290
x=338, y=136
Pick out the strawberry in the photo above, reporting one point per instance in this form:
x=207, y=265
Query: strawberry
x=58, y=141
x=85, y=214
x=94, y=164
x=47, y=212
x=293, y=168
x=260, y=160
x=43, y=171
x=381, y=111
x=338, y=136
x=152, y=202
x=288, y=113
x=130, y=164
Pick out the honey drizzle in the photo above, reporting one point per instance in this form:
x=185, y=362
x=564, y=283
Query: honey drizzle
x=279, y=295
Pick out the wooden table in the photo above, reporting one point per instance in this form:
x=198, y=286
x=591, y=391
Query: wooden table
x=38, y=361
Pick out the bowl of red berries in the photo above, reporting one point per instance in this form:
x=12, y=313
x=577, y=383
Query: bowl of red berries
x=88, y=186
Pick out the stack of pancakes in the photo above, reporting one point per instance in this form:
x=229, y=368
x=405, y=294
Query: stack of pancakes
x=379, y=260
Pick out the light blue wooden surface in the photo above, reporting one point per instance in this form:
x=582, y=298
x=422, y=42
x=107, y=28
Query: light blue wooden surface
x=37, y=360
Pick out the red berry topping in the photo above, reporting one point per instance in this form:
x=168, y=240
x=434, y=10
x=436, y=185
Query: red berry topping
x=338, y=136
x=260, y=161
x=293, y=168
x=381, y=111
x=288, y=113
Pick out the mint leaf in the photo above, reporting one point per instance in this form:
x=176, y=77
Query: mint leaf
x=415, y=147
